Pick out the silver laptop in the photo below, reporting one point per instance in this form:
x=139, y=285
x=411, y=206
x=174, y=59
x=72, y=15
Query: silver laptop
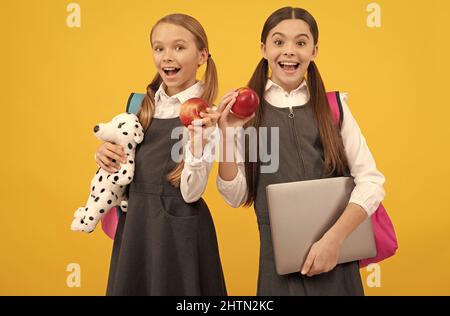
x=300, y=214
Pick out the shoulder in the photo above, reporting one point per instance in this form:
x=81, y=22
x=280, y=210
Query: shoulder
x=343, y=104
x=343, y=96
x=347, y=119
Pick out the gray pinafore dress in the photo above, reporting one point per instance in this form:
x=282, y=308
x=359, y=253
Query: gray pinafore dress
x=301, y=158
x=163, y=245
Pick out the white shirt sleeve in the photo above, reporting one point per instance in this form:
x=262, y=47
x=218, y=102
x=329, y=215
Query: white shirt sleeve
x=369, y=191
x=234, y=191
x=194, y=176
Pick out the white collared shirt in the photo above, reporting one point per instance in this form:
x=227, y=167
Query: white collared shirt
x=169, y=107
x=368, y=192
x=194, y=176
x=275, y=95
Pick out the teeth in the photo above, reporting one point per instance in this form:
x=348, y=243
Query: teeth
x=169, y=68
x=288, y=64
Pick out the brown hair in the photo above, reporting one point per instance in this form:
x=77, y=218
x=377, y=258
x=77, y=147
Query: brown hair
x=210, y=86
x=335, y=159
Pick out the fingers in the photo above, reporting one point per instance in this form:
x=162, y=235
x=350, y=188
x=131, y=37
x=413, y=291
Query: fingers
x=226, y=99
x=201, y=127
x=308, y=262
x=318, y=269
x=315, y=265
x=227, y=109
x=116, y=150
x=211, y=112
x=109, y=156
x=115, y=157
x=209, y=119
x=315, y=269
x=207, y=122
x=224, y=103
x=201, y=122
x=230, y=93
x=105, y=163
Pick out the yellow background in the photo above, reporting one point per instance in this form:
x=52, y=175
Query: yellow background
x=58, y=82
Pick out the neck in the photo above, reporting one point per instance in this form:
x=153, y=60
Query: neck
x=171, y=91
x=288, y=88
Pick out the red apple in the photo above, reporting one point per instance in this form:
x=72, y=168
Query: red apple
x=190, y=110
x=246, y=104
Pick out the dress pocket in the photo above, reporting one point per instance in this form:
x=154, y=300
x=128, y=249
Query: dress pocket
x=176, y=208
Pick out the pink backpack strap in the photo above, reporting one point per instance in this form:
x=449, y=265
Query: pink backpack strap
x=334, y=101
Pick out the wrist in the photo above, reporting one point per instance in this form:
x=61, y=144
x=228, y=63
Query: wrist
x=334, y=237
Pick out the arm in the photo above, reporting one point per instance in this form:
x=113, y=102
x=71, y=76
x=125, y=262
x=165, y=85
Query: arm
x=231, y=181
x=194, y=176
x=364, y=200
x=369, y=191
x=199, y=157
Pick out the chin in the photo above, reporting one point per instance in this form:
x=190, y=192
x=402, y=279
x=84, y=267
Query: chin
x=292, y=83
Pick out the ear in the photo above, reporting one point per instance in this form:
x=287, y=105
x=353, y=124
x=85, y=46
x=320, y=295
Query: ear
x=138, y=138
x=315, y=52
x=203, y=57
x=263, y=50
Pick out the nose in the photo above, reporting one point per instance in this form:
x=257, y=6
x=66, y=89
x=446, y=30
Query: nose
x=96, y=128
x=289, y=51
x=167, y=55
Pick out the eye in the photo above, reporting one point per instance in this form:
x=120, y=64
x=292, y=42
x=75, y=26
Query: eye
x=179, y=48
x=301, y=43
x=278, y=42
x=158, y=49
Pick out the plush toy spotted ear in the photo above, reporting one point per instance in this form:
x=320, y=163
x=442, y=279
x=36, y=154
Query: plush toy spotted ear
x=139, y=138
x=139, y=135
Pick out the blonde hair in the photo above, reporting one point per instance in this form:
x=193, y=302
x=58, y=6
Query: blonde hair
x=210, y=86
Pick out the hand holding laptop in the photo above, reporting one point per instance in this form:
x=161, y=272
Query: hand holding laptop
x=309, y=219
x=324, y=254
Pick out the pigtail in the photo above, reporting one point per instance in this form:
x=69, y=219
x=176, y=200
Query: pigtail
x=258, y=83
x=333, y=147
x=147, y=109
x=210, y=87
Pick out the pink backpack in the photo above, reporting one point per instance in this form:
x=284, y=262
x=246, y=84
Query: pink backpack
x=385, y=239
x=110, y=222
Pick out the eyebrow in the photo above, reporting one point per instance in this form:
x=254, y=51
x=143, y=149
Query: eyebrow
x=299, y=35
x=175, y=41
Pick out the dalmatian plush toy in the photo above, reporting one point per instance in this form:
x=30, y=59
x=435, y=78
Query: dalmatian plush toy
x=108, y=190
